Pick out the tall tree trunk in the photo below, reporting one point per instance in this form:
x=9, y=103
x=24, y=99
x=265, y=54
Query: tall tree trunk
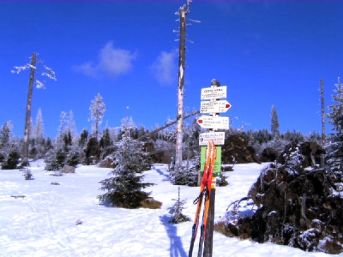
x=28, y=109
x=182, y=54
x=96, y=128
x=322, y=111
x=322, y=158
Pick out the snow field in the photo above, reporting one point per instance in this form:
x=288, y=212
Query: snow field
x=47, y=221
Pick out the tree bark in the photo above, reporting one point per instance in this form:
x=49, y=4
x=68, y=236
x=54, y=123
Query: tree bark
x=322, y=161
x=28, y=109
x=182, y=54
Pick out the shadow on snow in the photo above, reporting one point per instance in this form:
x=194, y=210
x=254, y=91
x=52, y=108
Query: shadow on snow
x=176, y=247
x=159, y=171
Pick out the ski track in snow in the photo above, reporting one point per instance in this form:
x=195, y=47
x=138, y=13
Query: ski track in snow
x=44, y=222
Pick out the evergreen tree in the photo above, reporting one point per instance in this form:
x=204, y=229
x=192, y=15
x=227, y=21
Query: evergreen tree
x=67, y=141
x=106, y=144
x=83, y=138
x=5, y=136
x=55, y=159
x=176, y=210
x=63, y=127
x=37, y=141
x=335, y=147
x=97, y=110
x=124, y=188
x=12, y=160
x=275, y=127
x=65, y=152
x=47, y=145
x=92, y=151
x=67, y=125
x=105, y=140
x=293, y=136
x=187, y=173
x=71, y=124
x=39, y=126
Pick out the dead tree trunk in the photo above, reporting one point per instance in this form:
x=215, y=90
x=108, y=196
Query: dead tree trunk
x=182, y=54
x=28, y=109
x=323, y=119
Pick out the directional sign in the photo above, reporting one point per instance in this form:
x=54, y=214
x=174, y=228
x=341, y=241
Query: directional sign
x=218, y=138
x=208, y=93
x=213, y=122
x=214, y=106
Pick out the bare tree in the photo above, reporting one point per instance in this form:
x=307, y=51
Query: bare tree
x=46, y=72
x=183, y=11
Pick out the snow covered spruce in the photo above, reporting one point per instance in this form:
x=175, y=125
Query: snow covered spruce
x=124, y=188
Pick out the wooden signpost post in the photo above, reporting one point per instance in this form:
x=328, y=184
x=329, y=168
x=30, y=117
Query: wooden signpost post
x=214, y=104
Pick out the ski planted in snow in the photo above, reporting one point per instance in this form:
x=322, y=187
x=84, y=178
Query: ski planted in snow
x=204, y=196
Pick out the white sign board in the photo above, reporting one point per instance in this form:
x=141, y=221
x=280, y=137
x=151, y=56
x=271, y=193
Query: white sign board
x=214, y=106
x=218, y=138
x=208, y=93
x=213, y=122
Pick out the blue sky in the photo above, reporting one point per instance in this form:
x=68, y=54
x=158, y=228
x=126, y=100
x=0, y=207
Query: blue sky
x=267, y=52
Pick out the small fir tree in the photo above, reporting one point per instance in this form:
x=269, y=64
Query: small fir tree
x=124, y=188
x=28, y=174
x=176, y=210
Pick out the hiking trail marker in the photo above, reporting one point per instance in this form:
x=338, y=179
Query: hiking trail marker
x=214, y=106
x=213, y=122
x=212, y=103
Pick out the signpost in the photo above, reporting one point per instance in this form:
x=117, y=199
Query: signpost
x=214, y=106
x=209, y=93
x=218, y=138
x=213, y=122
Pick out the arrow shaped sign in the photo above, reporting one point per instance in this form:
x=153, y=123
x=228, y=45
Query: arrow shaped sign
x=213, y=122
x=214, y=106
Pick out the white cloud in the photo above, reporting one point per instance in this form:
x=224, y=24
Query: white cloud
x=111, y=62
x=165, y=67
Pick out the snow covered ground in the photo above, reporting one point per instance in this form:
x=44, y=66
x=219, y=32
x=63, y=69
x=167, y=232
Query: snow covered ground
x=67, y=220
